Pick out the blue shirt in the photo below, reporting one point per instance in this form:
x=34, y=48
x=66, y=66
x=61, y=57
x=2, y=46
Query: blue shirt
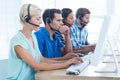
x=48, y=48
x=60, y=37
x=78, y=36
x=17, y=68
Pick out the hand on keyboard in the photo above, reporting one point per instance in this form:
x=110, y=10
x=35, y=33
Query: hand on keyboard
x=75, y=60
x=77, y=68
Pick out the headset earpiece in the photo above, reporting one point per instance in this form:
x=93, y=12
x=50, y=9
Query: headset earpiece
x=48, y=20
x=80, y=17
x=63, y=20
x=27, y=17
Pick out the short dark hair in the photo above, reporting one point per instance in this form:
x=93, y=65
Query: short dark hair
x=82, y=12
x=49, y=13
x=66, y=12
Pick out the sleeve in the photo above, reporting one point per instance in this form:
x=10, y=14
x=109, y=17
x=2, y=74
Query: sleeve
x=86, y=41
x=15, y=41
x=60, y=43
x=60, y=38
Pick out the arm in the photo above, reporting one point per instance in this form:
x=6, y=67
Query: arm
x=67, y=56
x=68, y=46
x=86, y=40
x=85, y=49
x=44, y=64
x=53, y=60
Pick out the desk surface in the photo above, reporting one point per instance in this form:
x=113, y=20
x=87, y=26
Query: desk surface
x=87, y=74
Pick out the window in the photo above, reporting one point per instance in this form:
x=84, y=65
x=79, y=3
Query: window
x=9, y=16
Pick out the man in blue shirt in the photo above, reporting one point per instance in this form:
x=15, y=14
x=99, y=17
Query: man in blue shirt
x=49, y=42
x=79, y=33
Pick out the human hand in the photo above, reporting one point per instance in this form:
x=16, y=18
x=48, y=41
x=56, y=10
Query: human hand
x=64, y=30
x=89, y=48
x=75, y=60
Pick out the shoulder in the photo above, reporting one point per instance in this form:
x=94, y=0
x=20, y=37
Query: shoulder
x=40, y=32
x=75, y=25
x=18, y=39
x=85, y=29
x=73, y=28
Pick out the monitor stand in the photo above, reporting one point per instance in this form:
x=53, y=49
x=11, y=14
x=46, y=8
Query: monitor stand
x=110, y=42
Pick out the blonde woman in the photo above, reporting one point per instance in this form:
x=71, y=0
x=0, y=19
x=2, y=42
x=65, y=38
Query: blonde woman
x=25, y=58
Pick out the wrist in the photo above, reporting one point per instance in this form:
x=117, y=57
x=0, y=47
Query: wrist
x=67, y=35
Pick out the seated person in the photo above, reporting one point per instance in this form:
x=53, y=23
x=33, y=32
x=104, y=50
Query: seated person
x=25, y=58
x=79, y=33
x=68, y=20
x=49, y=42
x=68, y=17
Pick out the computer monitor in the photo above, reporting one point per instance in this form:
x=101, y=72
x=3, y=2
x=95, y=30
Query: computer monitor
x=110, y=25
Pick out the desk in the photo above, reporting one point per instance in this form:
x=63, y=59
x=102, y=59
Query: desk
x=87, y=74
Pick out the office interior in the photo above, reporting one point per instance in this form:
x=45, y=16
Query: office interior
x=9, y=19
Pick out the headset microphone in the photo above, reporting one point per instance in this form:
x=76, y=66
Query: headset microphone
x=33, y=24
x=51, y=27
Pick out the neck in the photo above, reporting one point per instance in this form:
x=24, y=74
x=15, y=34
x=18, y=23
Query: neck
x=27, y=32
x=78, y=21
x=51, y=32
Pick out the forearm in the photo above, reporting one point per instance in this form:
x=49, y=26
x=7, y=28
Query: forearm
x=68, y=45
x=53, y=60
x=77, y=50
x=59, y=65
x=49, y=66
x=81, y=51
x=84, y=50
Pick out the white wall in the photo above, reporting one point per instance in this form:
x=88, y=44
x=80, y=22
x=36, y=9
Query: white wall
x=9, y=23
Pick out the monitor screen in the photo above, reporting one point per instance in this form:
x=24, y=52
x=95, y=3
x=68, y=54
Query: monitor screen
x=110, y=26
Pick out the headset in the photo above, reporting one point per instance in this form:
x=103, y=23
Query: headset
x=80, y=17
x=82, y=22
x=27, y=17
x=49, y=21
x=64, y=21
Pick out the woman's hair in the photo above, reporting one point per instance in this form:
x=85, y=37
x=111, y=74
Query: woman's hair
x=28, y=10
x=65, y=13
